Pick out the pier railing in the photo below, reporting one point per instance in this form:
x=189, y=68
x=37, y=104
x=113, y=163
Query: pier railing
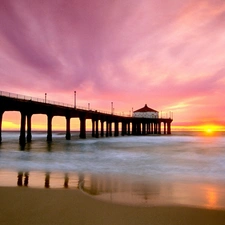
x=41, y=100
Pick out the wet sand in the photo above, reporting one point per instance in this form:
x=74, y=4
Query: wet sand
x=26, y=206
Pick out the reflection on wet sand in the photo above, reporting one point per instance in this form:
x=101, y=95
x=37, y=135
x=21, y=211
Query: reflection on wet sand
x=123, y=191
x=47, y=180
x=153, y=193
x=212, y=197
x=20, y=179
x=66, y=181
x=55, y=178
x=117, y=190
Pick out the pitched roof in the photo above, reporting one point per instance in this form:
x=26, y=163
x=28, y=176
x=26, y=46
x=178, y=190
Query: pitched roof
x=145, y=109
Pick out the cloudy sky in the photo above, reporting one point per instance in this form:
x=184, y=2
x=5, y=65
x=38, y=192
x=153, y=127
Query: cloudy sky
x=167, y=54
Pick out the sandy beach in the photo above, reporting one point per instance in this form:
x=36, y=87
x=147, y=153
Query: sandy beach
x=21, y=205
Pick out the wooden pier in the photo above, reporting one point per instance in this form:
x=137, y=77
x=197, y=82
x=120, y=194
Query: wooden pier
x=28, y=106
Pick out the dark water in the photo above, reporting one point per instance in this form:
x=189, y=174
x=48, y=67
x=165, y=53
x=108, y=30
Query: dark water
x=185, y=168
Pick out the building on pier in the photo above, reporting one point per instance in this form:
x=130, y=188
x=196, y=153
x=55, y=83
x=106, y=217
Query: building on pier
x=146, y=112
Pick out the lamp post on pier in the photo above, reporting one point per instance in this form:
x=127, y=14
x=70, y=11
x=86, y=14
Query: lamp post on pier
x=75, y=100
x=112, y=107
x=45, y=97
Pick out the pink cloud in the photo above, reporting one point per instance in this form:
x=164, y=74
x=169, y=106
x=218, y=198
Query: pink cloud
x=129, y=52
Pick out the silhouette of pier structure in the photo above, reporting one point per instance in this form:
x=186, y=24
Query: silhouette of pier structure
x=28, y=106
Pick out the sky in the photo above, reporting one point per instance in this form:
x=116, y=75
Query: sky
x=167, y=54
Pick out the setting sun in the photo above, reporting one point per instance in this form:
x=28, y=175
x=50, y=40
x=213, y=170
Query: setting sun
x=208, y=130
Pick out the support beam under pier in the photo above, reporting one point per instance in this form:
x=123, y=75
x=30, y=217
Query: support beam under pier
x=96, y=129
x=148, y=128
x=128, y=128
x=116, y=127
x=68, y=134
x=134, y=128
x=49, y=132
x=107, y=129
x=151, y=128
x=155, y=128
x=110, y=128
x=138, y=128
x=82, y=127
x=164, y=127
x=1, y=114
x=93, y=128
x=124, y=128
x=159, y=127
x=102, y=128
x=143, y=128
x=29, y=135
x=169, y=128
x=22, y=138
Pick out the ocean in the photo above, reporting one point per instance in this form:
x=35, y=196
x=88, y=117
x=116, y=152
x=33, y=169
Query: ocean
x=185, y=168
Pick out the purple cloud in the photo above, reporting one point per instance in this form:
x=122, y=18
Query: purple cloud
x=133, y=52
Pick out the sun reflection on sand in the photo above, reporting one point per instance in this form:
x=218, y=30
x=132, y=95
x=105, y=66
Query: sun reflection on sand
x=212, y=197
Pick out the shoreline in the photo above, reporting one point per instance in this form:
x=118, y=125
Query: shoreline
x=22, y=205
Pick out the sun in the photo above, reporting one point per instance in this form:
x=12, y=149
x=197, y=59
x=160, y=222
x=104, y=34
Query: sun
x=209, y=130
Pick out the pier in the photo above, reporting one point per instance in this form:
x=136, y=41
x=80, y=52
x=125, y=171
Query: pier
x=101, y=121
